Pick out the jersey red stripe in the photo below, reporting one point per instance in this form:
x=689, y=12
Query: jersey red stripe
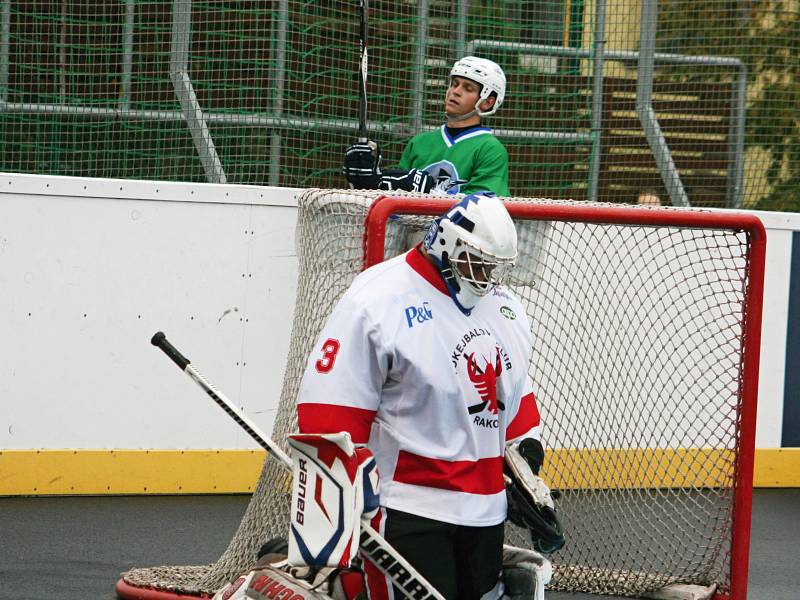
x=527, y=418
x=483, y=476
x=327, y=418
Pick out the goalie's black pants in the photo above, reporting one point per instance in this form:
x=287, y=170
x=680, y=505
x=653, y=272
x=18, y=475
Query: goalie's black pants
x=462, y=562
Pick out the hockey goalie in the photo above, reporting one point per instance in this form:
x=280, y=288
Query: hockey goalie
x=423, y=366
x=335, y=492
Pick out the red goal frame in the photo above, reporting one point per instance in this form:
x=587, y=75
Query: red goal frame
x=386, y=206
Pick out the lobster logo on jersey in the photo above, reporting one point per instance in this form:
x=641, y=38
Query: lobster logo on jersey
x=483, y=371
x=485, y=382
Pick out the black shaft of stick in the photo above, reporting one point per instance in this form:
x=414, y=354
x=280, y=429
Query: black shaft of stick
x=159, y=340
x=362, y=75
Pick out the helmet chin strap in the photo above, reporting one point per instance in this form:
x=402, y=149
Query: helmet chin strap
x=463, y=117
x=475, y=111
x=463, y=297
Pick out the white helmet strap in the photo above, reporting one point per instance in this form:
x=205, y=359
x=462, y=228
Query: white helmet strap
x=480, y=101
x=484, y=95
x=463, y=117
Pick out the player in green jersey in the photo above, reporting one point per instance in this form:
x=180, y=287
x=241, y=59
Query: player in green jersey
x=461, y=156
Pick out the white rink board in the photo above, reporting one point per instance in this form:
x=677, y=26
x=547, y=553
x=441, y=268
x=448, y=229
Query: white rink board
x=214, y=266
x=87, y=281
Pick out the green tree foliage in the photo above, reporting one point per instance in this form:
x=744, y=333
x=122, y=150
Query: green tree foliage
x=774, y=52
x=765, y=35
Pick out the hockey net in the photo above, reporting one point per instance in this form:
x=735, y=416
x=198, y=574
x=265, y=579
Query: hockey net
x=646, y=327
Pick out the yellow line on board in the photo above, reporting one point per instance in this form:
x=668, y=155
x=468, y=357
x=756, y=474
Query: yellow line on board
x=643, y=468
x=122, y=472
x=639, y=468
x=777, y=467
x=43, y=472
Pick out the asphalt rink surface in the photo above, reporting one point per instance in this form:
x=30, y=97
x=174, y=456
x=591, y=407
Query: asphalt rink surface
x=74, y=548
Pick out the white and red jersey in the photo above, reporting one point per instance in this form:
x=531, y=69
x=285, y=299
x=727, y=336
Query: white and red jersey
x=435, y=394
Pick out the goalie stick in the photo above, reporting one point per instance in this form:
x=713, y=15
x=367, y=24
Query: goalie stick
x=372, y=544
x=362, y=74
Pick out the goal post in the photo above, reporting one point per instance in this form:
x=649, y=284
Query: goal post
x=646, y=335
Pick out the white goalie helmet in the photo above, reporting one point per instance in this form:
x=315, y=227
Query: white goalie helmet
x=487, y=73
x=474, y=245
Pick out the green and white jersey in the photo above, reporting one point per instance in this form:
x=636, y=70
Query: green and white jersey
x=468, y=162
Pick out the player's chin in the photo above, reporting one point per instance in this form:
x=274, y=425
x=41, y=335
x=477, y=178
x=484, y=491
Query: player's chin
x=453, y=112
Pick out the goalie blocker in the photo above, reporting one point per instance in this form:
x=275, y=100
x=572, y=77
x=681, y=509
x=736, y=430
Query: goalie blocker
x=333, y=486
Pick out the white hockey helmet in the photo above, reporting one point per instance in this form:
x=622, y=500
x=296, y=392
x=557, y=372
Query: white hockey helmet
x=488, y=74
x=474, y=245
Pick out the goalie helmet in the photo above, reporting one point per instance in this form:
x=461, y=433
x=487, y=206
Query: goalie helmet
x=474, y=246
x=488, y=74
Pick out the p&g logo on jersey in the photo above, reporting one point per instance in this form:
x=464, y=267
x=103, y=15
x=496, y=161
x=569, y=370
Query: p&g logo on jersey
x=418, y=314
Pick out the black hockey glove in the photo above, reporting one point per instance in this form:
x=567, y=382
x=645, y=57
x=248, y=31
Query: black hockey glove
x=414, y=180
x=362, y=165
x=533, y=452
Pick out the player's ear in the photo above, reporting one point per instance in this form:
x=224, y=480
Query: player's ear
x=487, y=104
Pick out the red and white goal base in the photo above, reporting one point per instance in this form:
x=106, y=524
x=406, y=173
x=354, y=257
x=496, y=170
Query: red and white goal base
x=646, y=325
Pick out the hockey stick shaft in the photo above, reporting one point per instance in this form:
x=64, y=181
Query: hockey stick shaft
x=372, y=544
x=184, y=364
x=362, y=74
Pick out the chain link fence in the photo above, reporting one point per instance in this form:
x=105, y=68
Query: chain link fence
x=684, y=101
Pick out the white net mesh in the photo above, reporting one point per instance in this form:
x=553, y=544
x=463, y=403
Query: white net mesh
x=637, y=365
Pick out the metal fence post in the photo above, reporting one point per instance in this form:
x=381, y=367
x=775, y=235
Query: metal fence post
x=192, y=112
x=462, y=14
x=419, y=75
x=736, y=137
x=5, y=39
x=276, y=140
x=127, y=55
x=597, y=97
x=644, y=106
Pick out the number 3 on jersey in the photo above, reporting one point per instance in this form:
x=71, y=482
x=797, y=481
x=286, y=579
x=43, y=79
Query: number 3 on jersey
x=330, y=348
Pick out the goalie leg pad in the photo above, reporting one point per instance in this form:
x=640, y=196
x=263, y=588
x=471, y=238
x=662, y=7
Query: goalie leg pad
x=525, y=573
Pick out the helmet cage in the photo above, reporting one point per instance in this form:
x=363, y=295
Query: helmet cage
x=479, y=269
x=474, y=246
